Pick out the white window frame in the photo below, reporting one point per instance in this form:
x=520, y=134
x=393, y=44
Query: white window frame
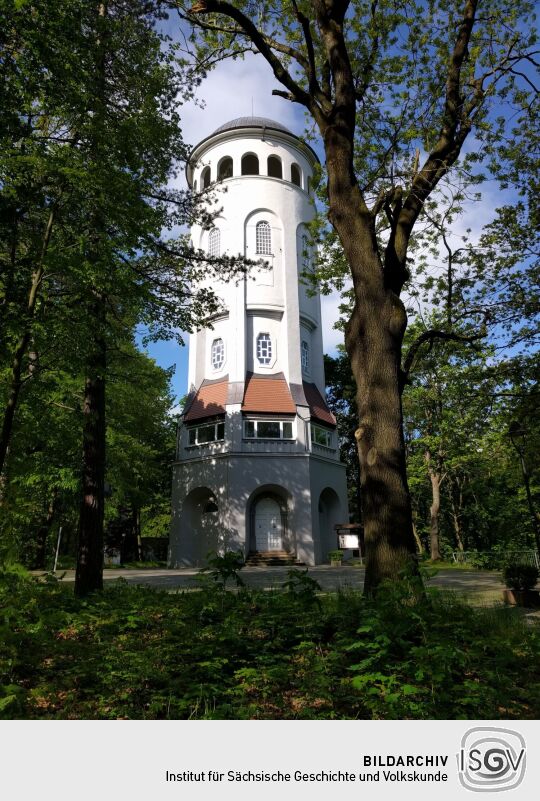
x=197, y=428
x=213, y=347
x=268, y=360
x=214, y=243
x=263, y=243
x=323, y=433
x=281, y=423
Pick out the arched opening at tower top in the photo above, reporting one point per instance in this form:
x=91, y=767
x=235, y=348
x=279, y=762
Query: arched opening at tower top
x=205, y=178
x=275, y=167
x=296, y=175
x=225, y=168
x=250, y=164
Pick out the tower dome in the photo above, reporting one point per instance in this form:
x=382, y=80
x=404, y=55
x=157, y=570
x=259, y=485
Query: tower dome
x=251, y=122
x=258, y=465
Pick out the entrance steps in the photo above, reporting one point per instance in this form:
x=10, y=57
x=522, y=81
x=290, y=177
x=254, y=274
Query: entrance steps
x=272, y=559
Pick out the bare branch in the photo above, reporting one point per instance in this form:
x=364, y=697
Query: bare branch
x=262, y=44
x=429, y=337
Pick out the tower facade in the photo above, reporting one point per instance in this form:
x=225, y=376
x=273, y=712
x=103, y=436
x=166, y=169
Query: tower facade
x=257, y=465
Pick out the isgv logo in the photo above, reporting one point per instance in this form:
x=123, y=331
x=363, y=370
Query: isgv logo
x=491, y=759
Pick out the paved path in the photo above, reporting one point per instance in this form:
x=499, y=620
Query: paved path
x=330, y=578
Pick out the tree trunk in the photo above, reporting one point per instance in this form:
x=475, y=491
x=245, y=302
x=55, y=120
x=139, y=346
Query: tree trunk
x=386, y=508
x=16, y=380
x=456, y=515
x=89, y=572
x=416, y=536
x=41, y=551
x=435, y=510
x=373, y=339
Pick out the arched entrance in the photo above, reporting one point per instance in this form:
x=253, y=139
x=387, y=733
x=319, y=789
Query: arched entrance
x=329, y=515
x=200, y=525
x=268, y=525
x=267, y=520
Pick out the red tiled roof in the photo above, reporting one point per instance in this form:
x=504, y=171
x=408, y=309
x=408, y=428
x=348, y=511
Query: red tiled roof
x=317, y=405
x=268, y=394
x=209, y=400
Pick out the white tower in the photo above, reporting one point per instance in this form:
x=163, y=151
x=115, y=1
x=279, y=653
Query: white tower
x=257, y=465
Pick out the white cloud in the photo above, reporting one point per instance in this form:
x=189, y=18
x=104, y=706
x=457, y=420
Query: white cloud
x=229, y=91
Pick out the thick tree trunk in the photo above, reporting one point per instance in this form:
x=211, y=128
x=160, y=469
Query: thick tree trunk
x=89, y=572
x=373, y=339
x=374, y=348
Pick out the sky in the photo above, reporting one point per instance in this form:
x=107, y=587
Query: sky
x=229, y=92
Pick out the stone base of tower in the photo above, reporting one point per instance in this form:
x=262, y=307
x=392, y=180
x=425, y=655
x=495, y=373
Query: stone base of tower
x=256, y=503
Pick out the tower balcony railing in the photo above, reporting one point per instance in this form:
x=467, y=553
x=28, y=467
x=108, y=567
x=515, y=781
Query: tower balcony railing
x=271, y=446
x=206, y=449
x=324, y=450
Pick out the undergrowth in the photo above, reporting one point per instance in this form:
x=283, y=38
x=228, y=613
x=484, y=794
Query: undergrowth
x=135, y=652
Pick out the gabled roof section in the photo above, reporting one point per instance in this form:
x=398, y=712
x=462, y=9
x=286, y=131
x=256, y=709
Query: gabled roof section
x=317, y=405
x=268, y=394
x=209, y=400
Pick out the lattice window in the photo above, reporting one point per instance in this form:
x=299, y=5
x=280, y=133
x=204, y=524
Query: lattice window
x=305, y=355
x=263, y=238
x=218, y=354
x=264, y=348
x=214, y=243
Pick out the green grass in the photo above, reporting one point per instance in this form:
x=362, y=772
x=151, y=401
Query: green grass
x=135, y=652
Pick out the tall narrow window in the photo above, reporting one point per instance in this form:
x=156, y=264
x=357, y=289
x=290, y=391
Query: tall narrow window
x=306, y=259
x=264, y=348
x=296, y=175
x=214, y=243
x=275, y=169
x=263, y=238
x=225, y=168
x=218, y=354
x=205, y=178
x=250, y=164
x=305, y=355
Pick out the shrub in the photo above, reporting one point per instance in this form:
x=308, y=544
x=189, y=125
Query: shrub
x=520, y=577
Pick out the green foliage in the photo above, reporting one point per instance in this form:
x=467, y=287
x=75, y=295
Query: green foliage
x=303, y=586
x=133, y=652
x=520, y=577
x=336, y=555
x=221, y=568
